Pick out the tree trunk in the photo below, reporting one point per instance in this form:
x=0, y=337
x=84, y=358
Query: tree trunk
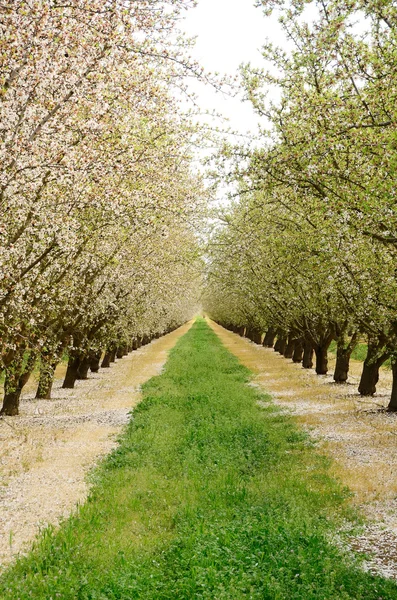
x=71, y=372
x=47, y=372
x=307, y=360
x=281, y=344
x=82, y=369
x=113, y=355
x=17, y=375
x=289, y=349
x=135, y=344
x=257, y=336
x=251, y=334
x=119, y=352
x=106, y=360
x=342, y=364
x=241, y=331
x=369, y=379
x=94, y=359
x=370, y=372
x=248, y=333
x=10, y=406
x=268, y=340
x=298, y=351
x=343, y=353
x=321, y=359
x=393, y=399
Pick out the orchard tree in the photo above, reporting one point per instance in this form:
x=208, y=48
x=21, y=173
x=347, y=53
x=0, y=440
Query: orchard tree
x=323, y=232
x=95, y=174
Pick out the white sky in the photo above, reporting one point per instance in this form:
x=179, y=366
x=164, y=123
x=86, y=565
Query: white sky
x=229, y=32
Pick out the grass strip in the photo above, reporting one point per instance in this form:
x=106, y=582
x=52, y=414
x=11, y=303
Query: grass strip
x=211, y=494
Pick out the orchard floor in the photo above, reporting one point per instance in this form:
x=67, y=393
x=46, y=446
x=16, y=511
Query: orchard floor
x=361, y=440
x=47, y=451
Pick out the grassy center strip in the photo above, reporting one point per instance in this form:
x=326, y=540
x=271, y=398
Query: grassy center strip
x=212, y=493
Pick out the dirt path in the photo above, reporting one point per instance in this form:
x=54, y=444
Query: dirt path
x=361, y=440
x=47, y=451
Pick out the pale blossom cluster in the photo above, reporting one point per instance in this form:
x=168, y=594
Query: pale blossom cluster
x=100, y=205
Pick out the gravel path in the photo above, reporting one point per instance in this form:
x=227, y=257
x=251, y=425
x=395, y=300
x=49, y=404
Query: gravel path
x=48, y=449
x=360, y=438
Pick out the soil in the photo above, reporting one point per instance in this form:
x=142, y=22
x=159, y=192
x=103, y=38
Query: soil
x=359, y=436
x=48, y=450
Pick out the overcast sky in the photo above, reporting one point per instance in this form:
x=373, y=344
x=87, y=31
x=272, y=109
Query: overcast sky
x=229, y=32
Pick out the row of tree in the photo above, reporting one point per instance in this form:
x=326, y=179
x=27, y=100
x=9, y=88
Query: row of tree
x=99, y=202
x=307, y=251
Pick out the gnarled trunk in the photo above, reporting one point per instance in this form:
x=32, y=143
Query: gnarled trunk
x=297, y=356
x=113, y=354
x=321, y=352
x=308, y=351
x=10, y=406
x=248, y=333
x=71, y=372
x=370, y=372
x=289, y=348
x=82, y=369
x=343, y=354
x=17, y=375
x=280, y=344
x=46, y=379
x=106, y=360
x=135, y=344
x=369, y=379
x=342, y=365
x=94, y=359
x=120, y=352
x=254, y=334
x=270, y=335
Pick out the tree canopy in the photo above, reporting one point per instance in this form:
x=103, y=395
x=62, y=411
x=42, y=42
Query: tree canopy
x=309, y=247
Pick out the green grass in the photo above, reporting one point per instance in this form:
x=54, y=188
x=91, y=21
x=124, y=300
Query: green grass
x=208, y=496
x=359, y=353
